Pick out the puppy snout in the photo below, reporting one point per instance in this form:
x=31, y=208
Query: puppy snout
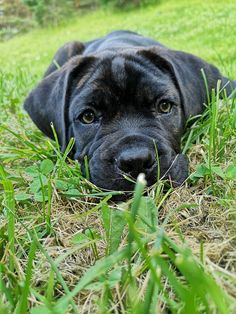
x=135, y=161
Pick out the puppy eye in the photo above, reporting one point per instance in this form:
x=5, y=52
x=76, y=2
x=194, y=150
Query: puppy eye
x=165, y=106
x=87, y=117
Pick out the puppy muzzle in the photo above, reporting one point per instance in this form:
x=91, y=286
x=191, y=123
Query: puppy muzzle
x=116, y=166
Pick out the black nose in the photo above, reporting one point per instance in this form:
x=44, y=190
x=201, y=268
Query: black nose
x=135, y=161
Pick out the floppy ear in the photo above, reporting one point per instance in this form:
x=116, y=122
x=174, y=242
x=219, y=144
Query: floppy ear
x=49, y=101
x=63, y=54
x=190, y=71
x=187, y=72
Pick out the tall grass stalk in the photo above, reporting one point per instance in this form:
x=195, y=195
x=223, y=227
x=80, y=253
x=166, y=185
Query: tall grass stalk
x=10, y=213
x=49, y=206
x=23, y=304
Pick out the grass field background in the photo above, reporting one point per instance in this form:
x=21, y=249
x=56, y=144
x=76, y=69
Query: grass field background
x=64, y=247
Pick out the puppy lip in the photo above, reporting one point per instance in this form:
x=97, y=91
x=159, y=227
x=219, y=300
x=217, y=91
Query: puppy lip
x=177, y=171
x=117, y=180
x=177, y=176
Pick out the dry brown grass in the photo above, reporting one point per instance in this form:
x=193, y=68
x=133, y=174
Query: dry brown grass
x=207, y=227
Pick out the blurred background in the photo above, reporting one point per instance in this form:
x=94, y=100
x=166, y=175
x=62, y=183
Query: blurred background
x=18, y=16
x=31, y=31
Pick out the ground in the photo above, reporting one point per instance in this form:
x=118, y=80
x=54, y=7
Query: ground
x=64, y=246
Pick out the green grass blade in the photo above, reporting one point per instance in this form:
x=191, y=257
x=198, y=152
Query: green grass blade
x=95, y=271
x=22, y=308
x=10, y=208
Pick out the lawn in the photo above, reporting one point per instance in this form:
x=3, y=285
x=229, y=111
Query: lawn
x=65, y=247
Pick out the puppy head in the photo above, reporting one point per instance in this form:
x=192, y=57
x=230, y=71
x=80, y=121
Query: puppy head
x=126, y=111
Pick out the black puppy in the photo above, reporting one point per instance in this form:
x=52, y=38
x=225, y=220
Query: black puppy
x=123, y=98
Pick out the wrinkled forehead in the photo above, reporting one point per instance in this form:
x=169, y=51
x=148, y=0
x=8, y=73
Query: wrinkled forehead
x=126, y=79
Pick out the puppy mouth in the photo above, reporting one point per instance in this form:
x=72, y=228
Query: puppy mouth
x=130, y=176
x=110, y=177
x=115, y=164
x=177, y=171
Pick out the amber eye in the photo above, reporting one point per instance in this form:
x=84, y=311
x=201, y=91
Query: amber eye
x=87, y=117
x=165, y=107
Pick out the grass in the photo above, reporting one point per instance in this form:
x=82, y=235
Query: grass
x=64, y=246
